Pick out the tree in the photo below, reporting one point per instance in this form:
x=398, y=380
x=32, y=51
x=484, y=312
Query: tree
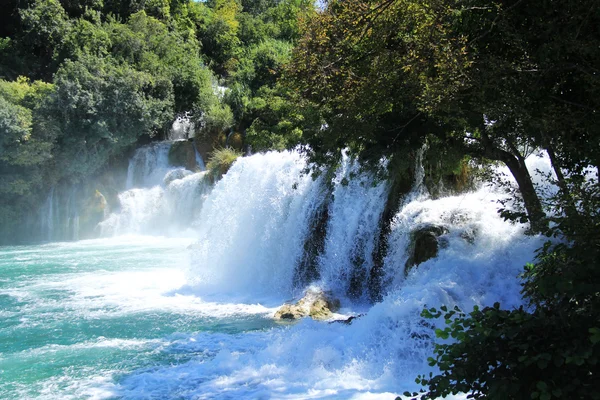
x=391, y=72
x=102, y=108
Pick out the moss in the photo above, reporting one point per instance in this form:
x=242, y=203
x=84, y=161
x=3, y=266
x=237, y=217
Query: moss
x=447, y=171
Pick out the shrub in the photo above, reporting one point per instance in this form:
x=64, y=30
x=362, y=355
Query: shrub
x=220, y=161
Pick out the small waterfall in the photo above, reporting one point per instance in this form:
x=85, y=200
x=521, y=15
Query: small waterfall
x=47, y=216
x=161, y=200
x=358, y=201
x=59, y=215
x=182, y=128
x=149, y=165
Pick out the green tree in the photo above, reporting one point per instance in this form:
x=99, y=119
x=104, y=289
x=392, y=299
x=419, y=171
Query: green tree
x=483, y=77
x=102, y=108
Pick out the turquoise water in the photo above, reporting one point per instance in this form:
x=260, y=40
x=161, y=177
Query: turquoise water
x=79, y=318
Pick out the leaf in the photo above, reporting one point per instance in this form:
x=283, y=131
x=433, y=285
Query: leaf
x=441, y=333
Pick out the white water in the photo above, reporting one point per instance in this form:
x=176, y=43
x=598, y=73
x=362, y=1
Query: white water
x=249, y=233
x=252, y=227
x=182, y=128
x=149, y=165
x=161, y=199
x=352, y=228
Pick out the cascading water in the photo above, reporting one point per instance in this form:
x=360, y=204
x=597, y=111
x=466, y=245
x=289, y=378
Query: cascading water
x=354, y=216
x=149, y=165
x=59, y=215
x=252, y=227
x=182, y=128
x=161, y=200
x=160, y=321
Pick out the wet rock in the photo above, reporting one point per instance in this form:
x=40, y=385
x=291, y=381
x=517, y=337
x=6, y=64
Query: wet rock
x=469, y=235
x=425, y=245
x=315, y=304
x=175, y=174
x=93, y=210
x=183, y=154
x=347, y=321
x=291, y=311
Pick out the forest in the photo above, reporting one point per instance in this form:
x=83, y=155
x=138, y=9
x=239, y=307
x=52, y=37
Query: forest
x=83, y=83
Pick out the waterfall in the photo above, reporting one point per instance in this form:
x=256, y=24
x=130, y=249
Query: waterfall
x=149, y=165
x=182, y=128
x=253, y=224
x=59, y=215
x=161, y=199
x=354, y=215
x=255, y=227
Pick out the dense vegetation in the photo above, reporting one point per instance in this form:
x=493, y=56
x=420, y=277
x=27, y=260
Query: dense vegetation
x=81, y=82
x=475, y=81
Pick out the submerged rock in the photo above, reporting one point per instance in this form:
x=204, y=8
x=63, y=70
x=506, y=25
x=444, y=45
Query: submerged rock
x=469, y=235
x=425, y=245
x=315, y=304
x=175, y=175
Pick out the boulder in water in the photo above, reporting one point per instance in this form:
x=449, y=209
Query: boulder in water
x=183, y=154
x=425, y=244
x=175, y=174
x=315, y=304
x=93, y=209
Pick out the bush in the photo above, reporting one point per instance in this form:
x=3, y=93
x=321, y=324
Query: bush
x=220, y=161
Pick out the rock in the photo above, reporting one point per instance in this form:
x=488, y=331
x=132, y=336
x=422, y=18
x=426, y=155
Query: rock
x=235, y=140
x=425, y=245
x=315, y=304
x=347, y=321
x=469, y=235
x=291, y=311
x=92, y=212
x=176, y=174
x=183, y=154
x=204, y=149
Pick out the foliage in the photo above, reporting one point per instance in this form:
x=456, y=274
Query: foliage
x=217, y=120
x=550, y=349
x=102, y=108
x=485, y=78
x=278, y=122
x=220, y=161
x=500, y=354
